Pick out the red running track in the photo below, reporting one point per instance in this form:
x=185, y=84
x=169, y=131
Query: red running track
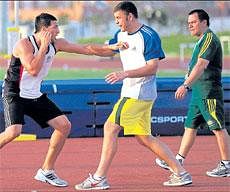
x=132, y=170
x=90, y=62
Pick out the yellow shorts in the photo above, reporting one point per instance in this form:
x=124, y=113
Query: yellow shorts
x=133, y=115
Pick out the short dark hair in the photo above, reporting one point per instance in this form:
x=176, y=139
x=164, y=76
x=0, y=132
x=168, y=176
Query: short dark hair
x=126, y=6
x=202, y=15
x=44, y=19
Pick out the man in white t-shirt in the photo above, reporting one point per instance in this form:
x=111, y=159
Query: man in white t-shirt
x=140, y=51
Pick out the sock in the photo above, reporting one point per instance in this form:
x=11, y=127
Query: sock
x=46, y=170
x=180, y=174
x=180, y=158
x=96, y=177
x=226, y=163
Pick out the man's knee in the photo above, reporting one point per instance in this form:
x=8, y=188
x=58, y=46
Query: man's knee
x=66, y=127
x=145, y=140
x=111, y=128
x=62, y=124
x=220, y=132
x=13, y=131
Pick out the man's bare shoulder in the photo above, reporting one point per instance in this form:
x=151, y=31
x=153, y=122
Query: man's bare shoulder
x=24, y=42
x=21, y=45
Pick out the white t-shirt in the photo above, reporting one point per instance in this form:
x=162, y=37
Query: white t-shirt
x=144, y=45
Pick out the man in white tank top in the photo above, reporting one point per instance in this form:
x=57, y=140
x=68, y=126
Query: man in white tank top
x=30, y=63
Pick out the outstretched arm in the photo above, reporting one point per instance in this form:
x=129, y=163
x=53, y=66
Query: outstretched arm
x=64, y=45
x=107, y=50
x=100, y=50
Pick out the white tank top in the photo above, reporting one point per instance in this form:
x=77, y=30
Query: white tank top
x=30, y=85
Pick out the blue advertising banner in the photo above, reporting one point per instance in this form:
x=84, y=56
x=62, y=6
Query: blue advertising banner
x=87, y=103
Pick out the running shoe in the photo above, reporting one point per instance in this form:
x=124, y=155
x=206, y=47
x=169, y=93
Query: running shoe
x=164, y=165
x=220, y=171
x=92, y=184
x=50, y=177
x=178, y=180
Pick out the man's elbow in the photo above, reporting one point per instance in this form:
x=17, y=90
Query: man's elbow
x=153, y=71
x=33, y=72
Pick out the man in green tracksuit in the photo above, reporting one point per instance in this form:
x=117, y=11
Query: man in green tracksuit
x=206, y=106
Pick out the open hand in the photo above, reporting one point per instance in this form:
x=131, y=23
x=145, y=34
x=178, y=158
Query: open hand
x=45, y=38
x=180, y=92
x=119, y=45
x=115, y=76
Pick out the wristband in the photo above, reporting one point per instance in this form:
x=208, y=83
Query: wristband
x=186, y=86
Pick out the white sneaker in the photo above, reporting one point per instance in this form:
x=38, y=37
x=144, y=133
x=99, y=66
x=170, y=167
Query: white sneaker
x=178, y=180
x=220, y=171
x=50, y=177
x=164, y=165
x=92, y=184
